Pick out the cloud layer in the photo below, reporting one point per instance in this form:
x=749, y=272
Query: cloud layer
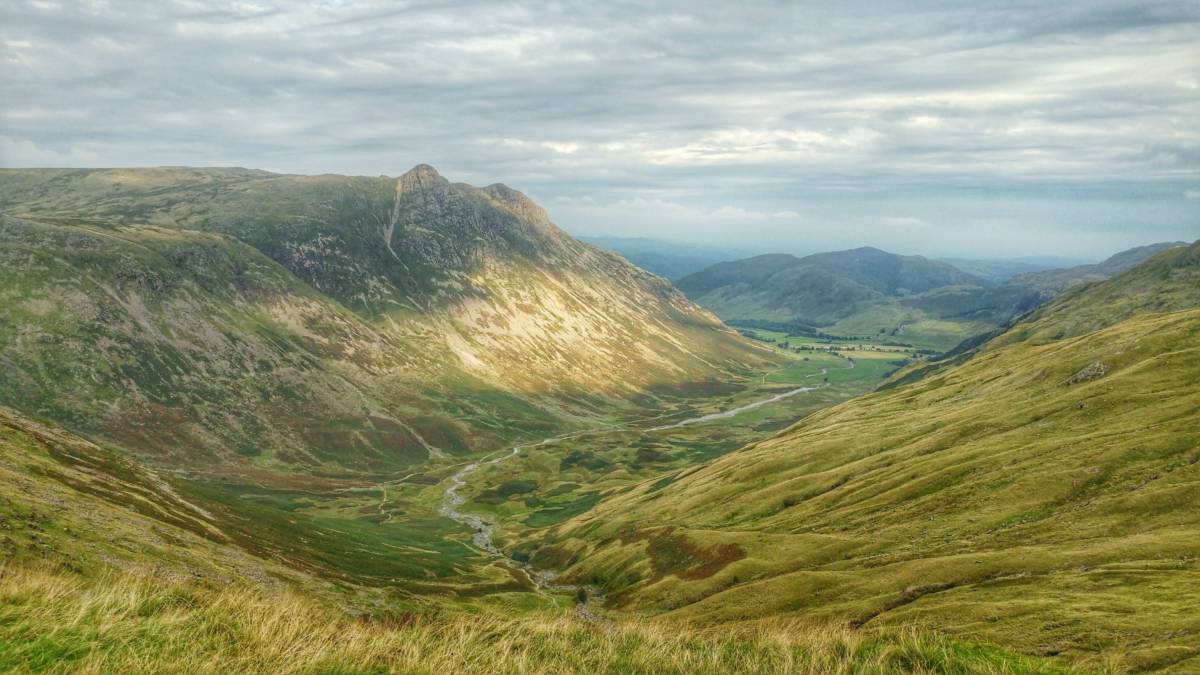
x=935, y=127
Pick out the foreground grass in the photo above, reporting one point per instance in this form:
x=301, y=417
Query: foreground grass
x=57, y=622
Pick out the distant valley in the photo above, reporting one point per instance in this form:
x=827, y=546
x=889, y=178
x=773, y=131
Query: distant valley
x=871, y=294
x=672, y=260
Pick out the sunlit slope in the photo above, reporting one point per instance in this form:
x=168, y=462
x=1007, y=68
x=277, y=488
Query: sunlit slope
x=1045, y=494
x=197, y=349
x=240, y=318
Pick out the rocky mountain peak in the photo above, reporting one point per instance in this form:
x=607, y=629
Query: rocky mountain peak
x=420, y=177
x=519, y=204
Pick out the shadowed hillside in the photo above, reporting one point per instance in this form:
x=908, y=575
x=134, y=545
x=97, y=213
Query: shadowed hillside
x=328, y=322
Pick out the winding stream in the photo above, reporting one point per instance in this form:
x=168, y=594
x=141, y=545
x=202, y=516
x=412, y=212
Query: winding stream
x=485, y=529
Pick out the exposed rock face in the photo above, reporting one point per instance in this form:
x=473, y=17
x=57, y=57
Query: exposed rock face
x=523, y=207
x=1094, y=371
x=445, y=227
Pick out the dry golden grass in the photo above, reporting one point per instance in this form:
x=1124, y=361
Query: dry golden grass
x=122, y=623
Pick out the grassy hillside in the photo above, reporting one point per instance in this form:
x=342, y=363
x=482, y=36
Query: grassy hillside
x=251, y=323
x=108, y=568
x=72, y=505
x=1041, y=495
x=59, y=623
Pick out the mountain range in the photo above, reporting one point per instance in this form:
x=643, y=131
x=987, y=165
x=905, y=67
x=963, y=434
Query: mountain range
x=867, y=292
x=999, y=270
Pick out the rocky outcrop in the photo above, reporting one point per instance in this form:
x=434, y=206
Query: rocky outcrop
x=1094, y=371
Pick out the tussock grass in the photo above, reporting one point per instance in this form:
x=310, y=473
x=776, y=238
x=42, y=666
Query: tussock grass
x=122, y=623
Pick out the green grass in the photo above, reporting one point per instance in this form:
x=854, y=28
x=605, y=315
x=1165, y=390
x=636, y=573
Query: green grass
x=883, y=321
x=304, y=529
x=58, y=623
x=910, y=326
x=568, y=478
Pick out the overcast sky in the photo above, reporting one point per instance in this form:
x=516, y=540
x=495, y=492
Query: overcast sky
x=1042, y=128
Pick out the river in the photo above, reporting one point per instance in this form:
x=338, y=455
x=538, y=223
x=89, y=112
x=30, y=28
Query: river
x=484, y=528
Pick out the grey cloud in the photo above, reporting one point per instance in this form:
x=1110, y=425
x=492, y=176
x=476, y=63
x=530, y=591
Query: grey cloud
x=851, y=115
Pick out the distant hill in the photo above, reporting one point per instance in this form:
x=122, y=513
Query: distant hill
x=868, y=292
x=1158, y=278
x=1021, y=293
x=860, y=292
x=1000, y=270
x=670, y=259
x=1038, y=494
x=1057, y=280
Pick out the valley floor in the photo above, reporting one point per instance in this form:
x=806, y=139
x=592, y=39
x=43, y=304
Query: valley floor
x=396, y=531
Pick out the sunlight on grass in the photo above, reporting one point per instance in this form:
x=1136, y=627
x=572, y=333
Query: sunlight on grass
x=123, y=623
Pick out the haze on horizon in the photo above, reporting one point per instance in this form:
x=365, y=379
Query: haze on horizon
x=941, y=128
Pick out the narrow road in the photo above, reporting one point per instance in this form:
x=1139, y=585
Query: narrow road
x=734, y=411
x=485, y=529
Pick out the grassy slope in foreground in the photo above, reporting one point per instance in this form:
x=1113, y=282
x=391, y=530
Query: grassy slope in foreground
x=58, y=622
x=107, y=569
x=1024, y=497
x=65, y=501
